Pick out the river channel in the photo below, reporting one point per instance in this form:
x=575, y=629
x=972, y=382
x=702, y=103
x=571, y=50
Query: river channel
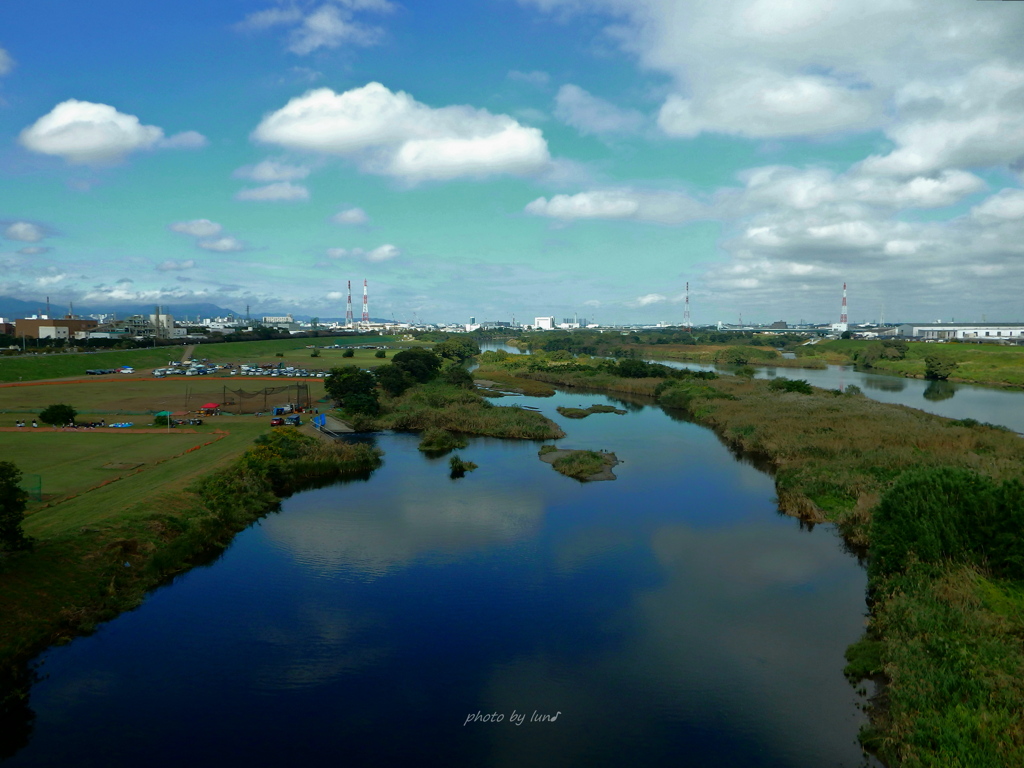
x=670, y=617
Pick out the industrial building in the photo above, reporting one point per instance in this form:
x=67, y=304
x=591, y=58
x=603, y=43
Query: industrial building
x=990, y=332
x=44, y=327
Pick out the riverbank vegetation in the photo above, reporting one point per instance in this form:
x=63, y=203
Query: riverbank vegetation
x=937, y=505
x=582, y=413
x=582, y=465
x=419, y=391
x=972, y=363
x=94, y=559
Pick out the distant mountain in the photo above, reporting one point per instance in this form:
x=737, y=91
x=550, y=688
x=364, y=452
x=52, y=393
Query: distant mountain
x=11, y=307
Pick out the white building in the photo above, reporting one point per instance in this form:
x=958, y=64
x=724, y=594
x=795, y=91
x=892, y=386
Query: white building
x=544, y=323
x=963, y=331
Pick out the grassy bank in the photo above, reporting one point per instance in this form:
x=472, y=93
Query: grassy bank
x=976, y=363
x=439, y=406
x=97, y=554
x=946, y=621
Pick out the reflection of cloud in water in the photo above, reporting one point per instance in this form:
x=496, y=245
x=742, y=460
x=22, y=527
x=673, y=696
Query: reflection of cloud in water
x=741, y=640
x=392, y=531
x=315, y=646
x=752, y=623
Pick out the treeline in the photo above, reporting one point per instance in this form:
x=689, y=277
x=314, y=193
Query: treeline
x=609, y=344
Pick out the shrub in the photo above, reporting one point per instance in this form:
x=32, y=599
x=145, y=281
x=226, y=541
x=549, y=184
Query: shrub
x=59, y=414
x=942, y=513
x=435, y=440
x=380, y=354
x=13, y=501
x=459, y=467
x=393, y=379
x=938, y=366
x=790, y=385
x=348, y=353
x=457, y=376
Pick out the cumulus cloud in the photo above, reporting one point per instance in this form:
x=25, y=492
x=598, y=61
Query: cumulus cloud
x=662, y=207
x=197, y=228
x=6, y=62
x=83, y=132
x=393, y=134
x=272, y=170
x=590, y=115
x=773, y=68
x=282, y=191
x=24, y=231
x=1005, y=205
x=381, y=253
x=175, y=266
x=330, y=26
x=350, y=216
x=222, y=244
x=648, y=299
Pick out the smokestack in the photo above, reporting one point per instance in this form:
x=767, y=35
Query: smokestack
x=348, y=307
x=366, y=306
x=842, y=317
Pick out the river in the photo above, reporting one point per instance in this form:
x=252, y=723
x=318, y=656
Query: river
x=670, y=617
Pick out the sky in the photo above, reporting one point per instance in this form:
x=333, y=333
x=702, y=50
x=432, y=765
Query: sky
x=500, y=158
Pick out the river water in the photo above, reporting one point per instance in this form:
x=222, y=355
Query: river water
x=670, y=617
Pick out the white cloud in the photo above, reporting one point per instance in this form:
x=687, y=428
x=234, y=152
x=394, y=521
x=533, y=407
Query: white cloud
x=350, y=216
x=331, y=25
x=272, y=170
x=185, y=140
x=47, y=281
x=84, y=132
x=6, y=62
x=1005, y=205
x=381, y=253
x=335, y=296
x=34, y=250
x=647, y=300
x=590, y=115
x=222, y=244
x=175, y=266
x=393, y=134
x=773, y=68
x=197, y=228
x=536, y=77
x=24, y=231
x=281, y=191
x=662, y=207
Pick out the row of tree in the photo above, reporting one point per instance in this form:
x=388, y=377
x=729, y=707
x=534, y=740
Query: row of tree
x=356, y=390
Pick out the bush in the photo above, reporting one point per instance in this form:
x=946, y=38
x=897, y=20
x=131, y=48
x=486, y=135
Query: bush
x=939, y=367
x=58, y=415
x=790, y=385
x=380, y=354
x=348, y=353
x=457, y=376
x=941, y=513
x=459, y=467
x=436, y=440
x=421, y=364
x=13, y=501
x=393, y=379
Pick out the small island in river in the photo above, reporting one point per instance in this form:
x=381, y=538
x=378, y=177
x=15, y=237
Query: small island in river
x=584, y=466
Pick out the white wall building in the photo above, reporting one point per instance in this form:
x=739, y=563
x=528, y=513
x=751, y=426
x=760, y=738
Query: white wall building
x=544, y=323
x=964, y=331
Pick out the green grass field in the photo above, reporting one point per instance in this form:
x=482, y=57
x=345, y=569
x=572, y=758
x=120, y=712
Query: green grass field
x=294, y=352
x=117, y=398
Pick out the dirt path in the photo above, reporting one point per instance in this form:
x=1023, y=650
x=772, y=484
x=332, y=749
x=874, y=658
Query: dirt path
x=186, y=353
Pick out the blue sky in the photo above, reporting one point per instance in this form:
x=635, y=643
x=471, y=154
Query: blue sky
x=517, y=157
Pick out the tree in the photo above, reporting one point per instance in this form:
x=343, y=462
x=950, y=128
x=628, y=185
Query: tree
x=455, y=374
x=393, y=379
x=348, y=381
x=380, y=354
x=13, y=501
x=348, y=353
x=59, y=414
x=458, y=349
x=420, y=363
x=846, y=335
x=939, y=367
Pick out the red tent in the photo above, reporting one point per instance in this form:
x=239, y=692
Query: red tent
x=210, y=406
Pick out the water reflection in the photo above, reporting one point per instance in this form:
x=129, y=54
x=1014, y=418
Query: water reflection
x=939, y=390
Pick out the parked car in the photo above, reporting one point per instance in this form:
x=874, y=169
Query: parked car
x=277, y=421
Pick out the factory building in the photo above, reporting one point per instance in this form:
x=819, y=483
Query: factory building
x=991, y=332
